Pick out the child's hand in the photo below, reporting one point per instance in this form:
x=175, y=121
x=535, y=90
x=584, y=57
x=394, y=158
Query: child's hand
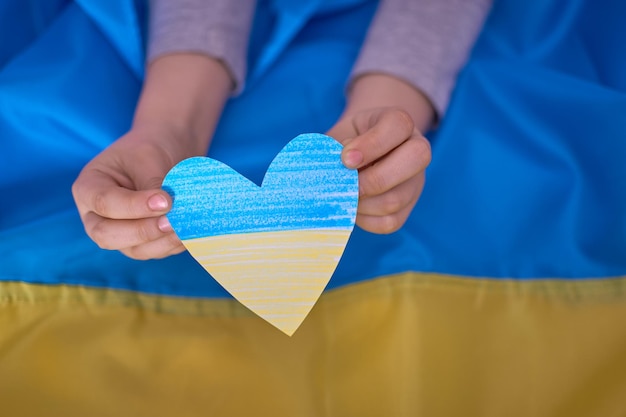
x=120, y=201
x=380, y=130
x=118, y=194
x=391, y=156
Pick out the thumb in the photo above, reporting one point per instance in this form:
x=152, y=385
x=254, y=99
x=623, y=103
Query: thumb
x=148, y=192
x=112, y=196
x=96, y=192
x=343, y=132
x=378, y=132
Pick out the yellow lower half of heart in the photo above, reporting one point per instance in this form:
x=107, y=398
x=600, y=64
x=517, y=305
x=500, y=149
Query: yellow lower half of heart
x=277, y=275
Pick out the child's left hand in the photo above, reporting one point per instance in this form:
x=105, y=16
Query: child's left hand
x=391, y=156
x=381, y=133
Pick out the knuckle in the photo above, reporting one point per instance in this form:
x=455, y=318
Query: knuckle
x=180, y=248
x=174, y=247
x=153, y=183
x=100, y=234
x=100, y=205
x=174, y=241
x=400, y=118
x=419, y=147
x=138, y=252
x=144, y=232
x=404, y=119
x=392, y=203
x=76, y=189
x=389, y=224
x=374, y=183
x=131, y=207
x=133, y=253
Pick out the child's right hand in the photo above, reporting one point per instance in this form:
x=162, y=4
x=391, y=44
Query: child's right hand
x=118, y=193
x=119, y=196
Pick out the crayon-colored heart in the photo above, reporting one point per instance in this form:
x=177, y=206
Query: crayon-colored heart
x=273, y=247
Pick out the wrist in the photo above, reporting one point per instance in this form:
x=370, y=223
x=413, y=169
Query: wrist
x=177, y=141
x=182, y=98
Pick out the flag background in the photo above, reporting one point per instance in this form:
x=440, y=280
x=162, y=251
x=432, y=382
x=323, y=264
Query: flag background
x=505, y=293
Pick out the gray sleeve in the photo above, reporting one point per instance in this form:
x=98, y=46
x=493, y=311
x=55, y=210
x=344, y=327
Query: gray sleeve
x=423, y=42
x=218, y=28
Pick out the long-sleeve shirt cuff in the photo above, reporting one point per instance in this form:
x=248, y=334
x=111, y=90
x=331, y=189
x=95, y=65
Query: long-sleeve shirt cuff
x=423, y=42
x=217, y=28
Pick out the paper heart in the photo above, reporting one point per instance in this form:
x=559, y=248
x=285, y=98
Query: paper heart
x=274, y=247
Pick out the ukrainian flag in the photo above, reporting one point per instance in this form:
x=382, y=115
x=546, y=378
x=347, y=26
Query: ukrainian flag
x=504, y=294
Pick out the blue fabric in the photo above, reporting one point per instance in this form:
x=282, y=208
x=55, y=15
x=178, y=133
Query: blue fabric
x=528, y=172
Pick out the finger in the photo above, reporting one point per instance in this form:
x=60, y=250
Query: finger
x=394, y=200
x=163, y=247
x=103, y=196
x=404, y=162
x=385, y=224
x=119, y=234
x=382, y=132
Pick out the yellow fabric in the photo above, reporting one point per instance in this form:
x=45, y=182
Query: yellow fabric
x=406, y=345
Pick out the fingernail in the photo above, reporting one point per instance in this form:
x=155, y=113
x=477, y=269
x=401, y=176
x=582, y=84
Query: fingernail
x=164, y=224
x=157, y=203
x=353, y=158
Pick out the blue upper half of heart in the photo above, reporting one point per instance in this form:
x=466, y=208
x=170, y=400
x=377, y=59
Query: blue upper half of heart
x=305, y=187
